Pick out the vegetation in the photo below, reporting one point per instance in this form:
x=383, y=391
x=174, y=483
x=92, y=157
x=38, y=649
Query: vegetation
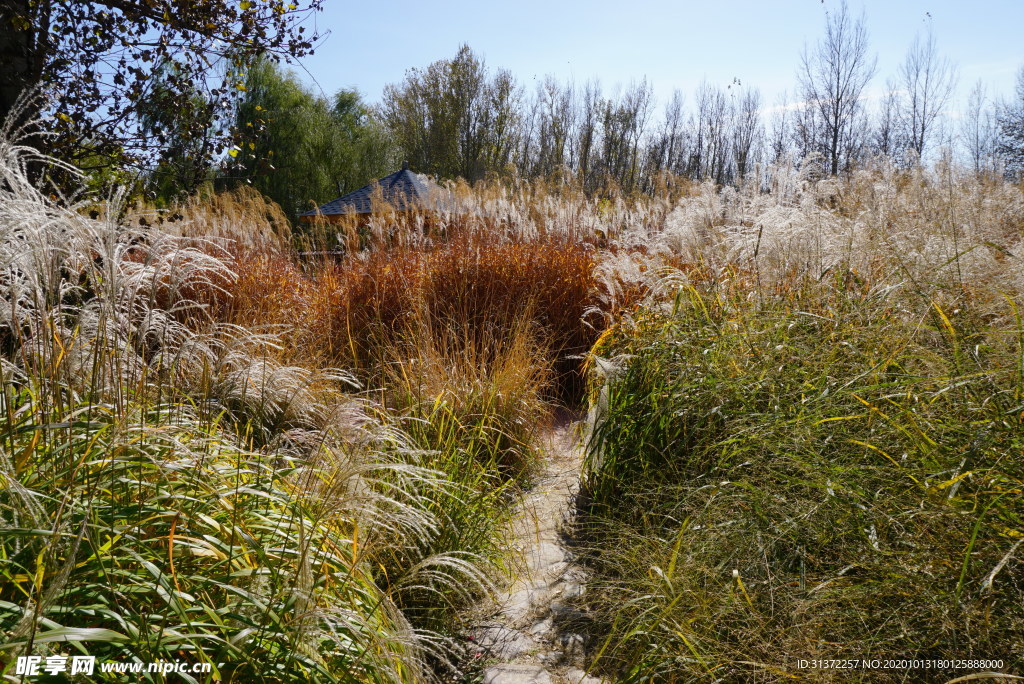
x=809, y=482
x=810, y=451
x=173, y=491
x=296, y=469
x=290, y=451
x=297, y=148
x=96, y=60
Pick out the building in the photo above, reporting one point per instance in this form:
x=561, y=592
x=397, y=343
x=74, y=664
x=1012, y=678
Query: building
x=402, y=191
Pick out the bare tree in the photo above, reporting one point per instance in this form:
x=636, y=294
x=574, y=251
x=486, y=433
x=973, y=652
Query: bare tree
x=525, y=156
x=1011, y=131
x=978, y=130
x=557, y=126
x=498, y=124
x=623, y=124
x=667, y=145
x=927, y=81
x=781, y=130
x=709, y=155
x=885, y=139
x=587, y=132
x=832, y=78
x=747, y=130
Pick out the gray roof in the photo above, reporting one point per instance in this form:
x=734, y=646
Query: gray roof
x=403, y=190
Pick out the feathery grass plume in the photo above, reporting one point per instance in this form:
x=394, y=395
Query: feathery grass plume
x=137, y=519
x=240, y=218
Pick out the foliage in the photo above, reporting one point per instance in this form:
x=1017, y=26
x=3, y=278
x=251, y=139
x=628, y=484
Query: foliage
x=175, y=545
x=804, y=444
x=299, y=149
x=186, y=136
x=171, y=388
x=96, y=61
x=169, y=490
x=488, y=387
x=453, y=119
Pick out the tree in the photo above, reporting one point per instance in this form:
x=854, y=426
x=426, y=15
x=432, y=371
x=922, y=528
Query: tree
x=1011, y=131
x=978, y=130
x=747, y=131
x=886, y=139
x=587, y=133
x=453, y=119
x=555, y=124
x=300, y=149
x=709, y=155
x=186, y=144
x=502, y=121
x=96, y=60
x=623, y=123
x=927, y=82
x=832, y=78
x=779, y=137
x=669, y=143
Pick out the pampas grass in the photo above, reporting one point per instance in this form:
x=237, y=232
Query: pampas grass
x=172, y=491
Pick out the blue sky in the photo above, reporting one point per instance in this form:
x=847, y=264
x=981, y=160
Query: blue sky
x=673, y=44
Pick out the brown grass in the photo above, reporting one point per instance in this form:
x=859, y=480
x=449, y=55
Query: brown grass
x=353, y=312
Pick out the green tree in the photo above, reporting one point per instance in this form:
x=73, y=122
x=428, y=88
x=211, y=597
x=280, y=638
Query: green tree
x=453, y=119
x=300, y=149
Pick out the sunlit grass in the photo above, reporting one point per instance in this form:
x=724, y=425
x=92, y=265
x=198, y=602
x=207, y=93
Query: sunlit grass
x=815, y=474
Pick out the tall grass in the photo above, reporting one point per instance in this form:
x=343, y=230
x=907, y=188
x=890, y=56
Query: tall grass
x=492, y=388
x=824, y=471
x=172, y=491
x=804, y=423
x=139, y=536
x=474, y=290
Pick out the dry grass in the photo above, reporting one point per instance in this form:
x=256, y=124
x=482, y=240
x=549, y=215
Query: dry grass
x=803, y=366
x=807, y=445
x=355, y=311
x=171, y=489
x=493, y=385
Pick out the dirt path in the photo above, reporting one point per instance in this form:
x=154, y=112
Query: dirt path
x=527, y=635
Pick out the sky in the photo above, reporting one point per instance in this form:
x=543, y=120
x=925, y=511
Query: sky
x=674, y=44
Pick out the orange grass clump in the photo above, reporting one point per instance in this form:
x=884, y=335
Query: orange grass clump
x=473, y=285
x=350, y=312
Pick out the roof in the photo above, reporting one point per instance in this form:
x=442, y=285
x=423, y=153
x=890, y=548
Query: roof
x=403, y=190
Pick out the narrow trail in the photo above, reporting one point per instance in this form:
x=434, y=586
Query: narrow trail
x=526, y=635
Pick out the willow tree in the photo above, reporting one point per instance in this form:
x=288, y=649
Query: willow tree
x=302, y=149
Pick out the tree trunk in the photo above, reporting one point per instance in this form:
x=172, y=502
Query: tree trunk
x=16, y=53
